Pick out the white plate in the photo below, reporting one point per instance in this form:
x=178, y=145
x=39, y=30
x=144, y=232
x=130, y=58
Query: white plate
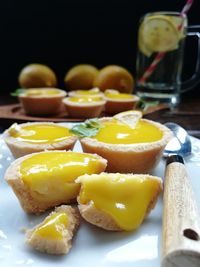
x=92, y=247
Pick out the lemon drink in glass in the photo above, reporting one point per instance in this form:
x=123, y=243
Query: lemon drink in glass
x=161, y=32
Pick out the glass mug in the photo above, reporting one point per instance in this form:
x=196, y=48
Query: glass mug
x=161, y=39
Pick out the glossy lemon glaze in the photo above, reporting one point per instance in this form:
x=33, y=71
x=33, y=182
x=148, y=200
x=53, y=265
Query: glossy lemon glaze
x=53, y=226
x=125, y=199
x=84, y=99
x=119, y=95
x=41, y=133
x=50, y=175
x=115, y=132
x=38, y=92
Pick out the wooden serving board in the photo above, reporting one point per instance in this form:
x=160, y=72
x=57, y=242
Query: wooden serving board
x=15, y=112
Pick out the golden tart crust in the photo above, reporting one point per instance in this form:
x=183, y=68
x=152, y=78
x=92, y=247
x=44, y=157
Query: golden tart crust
x=129, y=158
x=21, y=148
x=44, y=104
x=84, y=110
x=28, y=202
x=104, y=220
x=56, y=247
x=116, y=105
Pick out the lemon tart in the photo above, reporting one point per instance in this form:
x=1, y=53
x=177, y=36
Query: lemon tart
x=41, y=101
x=118, y=102
x=130, y=145
x=117, y=201
x=92, y=92
x=54, y=235
x=46, y=179
x=84, y=106
x=26, y=138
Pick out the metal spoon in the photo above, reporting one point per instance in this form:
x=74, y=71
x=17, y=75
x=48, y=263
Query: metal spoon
x=181, y=218
x=180, y=144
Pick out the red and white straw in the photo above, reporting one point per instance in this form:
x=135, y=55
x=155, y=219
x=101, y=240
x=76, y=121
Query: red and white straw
x=160, y=55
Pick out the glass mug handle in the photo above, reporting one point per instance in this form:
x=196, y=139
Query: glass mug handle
x=195, y=79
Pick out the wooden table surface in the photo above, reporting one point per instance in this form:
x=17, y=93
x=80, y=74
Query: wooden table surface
x=187, y=113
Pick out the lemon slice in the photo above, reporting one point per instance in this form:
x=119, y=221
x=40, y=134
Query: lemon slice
x=142, y=46
x=180, y=23
x=130, y=117
x=14, y=128
x=158, y=34
x=111, y=91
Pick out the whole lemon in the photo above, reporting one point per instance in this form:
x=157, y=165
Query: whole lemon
x=37, y=75
x=80, y=77
x=114, y=77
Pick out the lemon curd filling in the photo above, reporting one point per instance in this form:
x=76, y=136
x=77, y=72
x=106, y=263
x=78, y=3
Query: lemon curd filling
x=124, y=198
x=119, y=95
x=41, y=133
x=115, y=132
x=53, y=226
x=50, y=175
x=84, y=99
x=87, y=92
x=38, y=92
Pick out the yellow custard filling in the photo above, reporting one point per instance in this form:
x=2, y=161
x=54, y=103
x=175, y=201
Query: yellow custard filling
x=115, y=132
x=53, y=226
x=87, y=92
x=85, y=99
x=50, y=175
x=41, y=92
x=119, y=95
x=125, y=198
x=40, y=133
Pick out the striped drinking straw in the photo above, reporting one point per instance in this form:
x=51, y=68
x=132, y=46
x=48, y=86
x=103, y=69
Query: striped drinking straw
x=160, y=55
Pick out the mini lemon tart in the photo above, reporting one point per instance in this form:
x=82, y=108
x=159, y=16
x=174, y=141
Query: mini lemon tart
x=91, y=93
x=115, y=201
x=54, y=235
x=118, y=102
x=46, y=179
x=84, y=106
x=26, y=138
x=129, y=143
x=42, y=101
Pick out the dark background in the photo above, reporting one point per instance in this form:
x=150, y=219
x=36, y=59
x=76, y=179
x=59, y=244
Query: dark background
x=62, y=33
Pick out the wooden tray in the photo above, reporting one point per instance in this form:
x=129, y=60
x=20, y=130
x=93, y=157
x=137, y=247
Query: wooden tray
x=16, y=113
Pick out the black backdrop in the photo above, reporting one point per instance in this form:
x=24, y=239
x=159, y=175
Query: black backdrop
x=62, y=33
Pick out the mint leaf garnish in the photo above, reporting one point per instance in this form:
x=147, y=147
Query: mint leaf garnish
x=88, y=128
x=144, y=104
x=17, y=92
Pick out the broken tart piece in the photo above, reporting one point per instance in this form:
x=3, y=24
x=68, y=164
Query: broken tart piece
x=47, y=179
x=54, y=235
x=117, y=202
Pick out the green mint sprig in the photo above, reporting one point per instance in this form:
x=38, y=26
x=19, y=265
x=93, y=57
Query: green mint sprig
x=88, y=128
x=17, y=92
x=144, y=104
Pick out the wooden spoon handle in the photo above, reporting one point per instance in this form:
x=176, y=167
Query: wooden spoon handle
x=181, y=219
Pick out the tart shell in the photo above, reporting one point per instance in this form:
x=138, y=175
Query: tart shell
x=42, y=104
x=89, y=110
x=129, y=158
x=114, y=106
x=21, y=148
x=21, y=190
x=103, y=220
